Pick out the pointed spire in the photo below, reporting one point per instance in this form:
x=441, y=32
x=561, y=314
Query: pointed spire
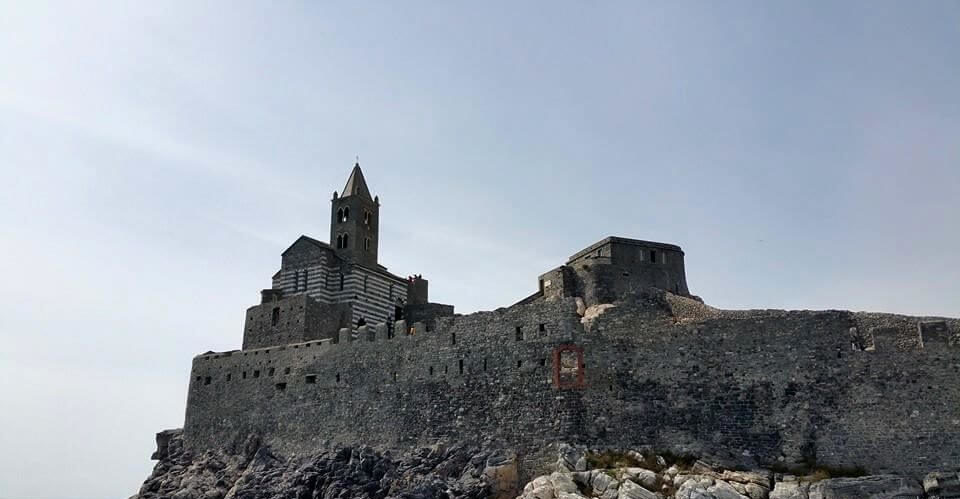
x=356, y=185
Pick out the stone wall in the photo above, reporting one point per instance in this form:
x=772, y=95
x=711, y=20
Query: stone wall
x=773, y=386
x=427, y=313
x=293, y=319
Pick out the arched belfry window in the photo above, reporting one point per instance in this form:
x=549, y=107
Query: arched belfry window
x=340, y=215
x=366, y=217
x=346, y=240
x=340, y=241
x=346, y=213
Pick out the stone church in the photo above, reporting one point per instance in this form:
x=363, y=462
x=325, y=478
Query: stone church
x=323, y=287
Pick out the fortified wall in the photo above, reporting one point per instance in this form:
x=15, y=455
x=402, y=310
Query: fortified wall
x=832, y=387
x=612, y=350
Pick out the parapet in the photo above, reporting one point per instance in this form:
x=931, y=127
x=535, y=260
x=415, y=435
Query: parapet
x=270, y=295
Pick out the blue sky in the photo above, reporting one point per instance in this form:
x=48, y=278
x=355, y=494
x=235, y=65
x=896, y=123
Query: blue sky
x=159, y=156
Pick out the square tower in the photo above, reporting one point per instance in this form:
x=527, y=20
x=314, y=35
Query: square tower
x=355, y=221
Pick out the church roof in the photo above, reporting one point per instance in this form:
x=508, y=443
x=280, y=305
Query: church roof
x=307, y=240
x=356, y=185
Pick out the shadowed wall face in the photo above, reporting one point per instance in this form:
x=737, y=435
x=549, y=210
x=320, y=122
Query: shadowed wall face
x=776, y=386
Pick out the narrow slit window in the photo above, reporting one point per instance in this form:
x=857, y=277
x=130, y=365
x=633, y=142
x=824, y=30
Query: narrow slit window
x=461, y=366
x=275, y=316
x=653, y=256
x=338, y=377
x=542, y=327
x=519, y=333
x=453, y=338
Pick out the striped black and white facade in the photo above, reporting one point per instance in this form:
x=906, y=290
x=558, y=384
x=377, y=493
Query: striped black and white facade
x=346, y=270
x=312, y=267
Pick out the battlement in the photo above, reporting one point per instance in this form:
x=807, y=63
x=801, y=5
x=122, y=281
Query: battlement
x=542, y=372
x=341, y=351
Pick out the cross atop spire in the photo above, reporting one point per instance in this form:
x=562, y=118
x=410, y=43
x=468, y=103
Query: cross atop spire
x=356, y=185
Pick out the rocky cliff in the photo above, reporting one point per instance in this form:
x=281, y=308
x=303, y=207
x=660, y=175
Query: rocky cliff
x=255, y=472
x=476, y=471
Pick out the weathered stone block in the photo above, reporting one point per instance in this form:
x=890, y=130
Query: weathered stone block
x=867, y=487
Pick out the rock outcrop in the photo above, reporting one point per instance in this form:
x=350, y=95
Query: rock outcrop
x=583, y=475
x=471, y=471
x=460, y=471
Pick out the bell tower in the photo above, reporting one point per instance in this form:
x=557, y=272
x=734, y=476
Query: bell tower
x=355, y=221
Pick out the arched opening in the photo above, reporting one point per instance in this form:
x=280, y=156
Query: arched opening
x=366, y=217
x=346, y=213
x=339, y=242
x=340, y=215
x=346, y=240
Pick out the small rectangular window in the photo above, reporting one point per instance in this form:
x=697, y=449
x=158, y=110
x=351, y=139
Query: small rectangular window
x=311, y=379
x=256, y=374
x=286, y=370
x=653, y=256
x=206, y=380
x=519, y=333
x=453, y=338
x=461, y=366
x=244, y=374
x=543, y=362
x=229, y=377
x=281, y=386
x=519, y=364
x=431, y=370
x=542, y=327
x=338, y=377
